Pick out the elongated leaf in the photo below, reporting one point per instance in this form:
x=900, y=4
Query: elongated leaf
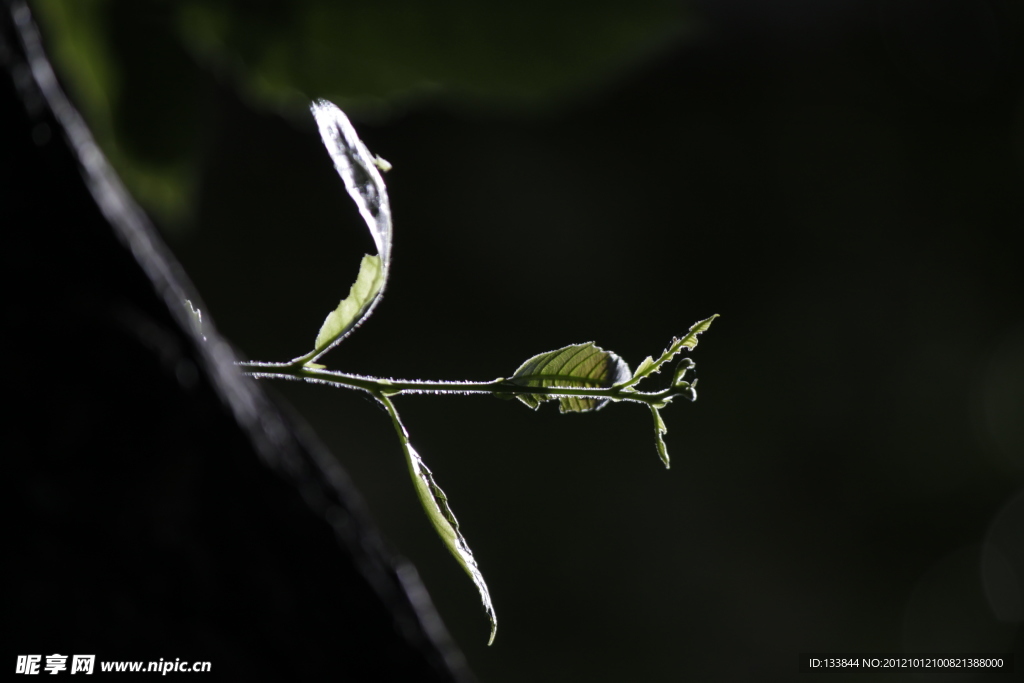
x=353, y=308
x=359, y=170
x=659, y=435
x=649, y=366
x=578, y=366
x=435, y=503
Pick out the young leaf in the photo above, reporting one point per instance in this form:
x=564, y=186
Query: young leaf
x=649, y=366
x=685, y=365
x=353, y=308
x=360, y=171
x=435, y=503
x=690, y=340
x=576, y=366
x=659, y=433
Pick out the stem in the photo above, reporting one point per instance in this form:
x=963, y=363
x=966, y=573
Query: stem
x=391, y=387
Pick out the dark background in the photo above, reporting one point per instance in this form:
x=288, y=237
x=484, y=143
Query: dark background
x=843, y=184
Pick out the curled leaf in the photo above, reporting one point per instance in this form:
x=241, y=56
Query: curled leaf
x=578, y=366
x=659, y=435
x=685, y=365
x=360, y=171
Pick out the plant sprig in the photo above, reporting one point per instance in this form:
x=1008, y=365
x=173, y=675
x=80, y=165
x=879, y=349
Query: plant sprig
x=581, y=377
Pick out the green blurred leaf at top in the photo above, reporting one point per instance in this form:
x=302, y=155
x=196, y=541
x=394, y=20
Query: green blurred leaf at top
x=131, y=76
x=136, y=68
x=515, y=54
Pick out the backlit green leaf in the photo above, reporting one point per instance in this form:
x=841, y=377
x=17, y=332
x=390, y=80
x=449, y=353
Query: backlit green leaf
x=354, y=307
x=435, y=503
x=360, y=171
x=659, y=435
x=578, y=366
x=689, y=341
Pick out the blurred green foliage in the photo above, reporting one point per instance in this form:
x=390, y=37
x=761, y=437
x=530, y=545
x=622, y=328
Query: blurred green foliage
x=138, y=69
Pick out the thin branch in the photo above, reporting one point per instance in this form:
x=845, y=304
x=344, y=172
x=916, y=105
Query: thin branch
x=393, y=387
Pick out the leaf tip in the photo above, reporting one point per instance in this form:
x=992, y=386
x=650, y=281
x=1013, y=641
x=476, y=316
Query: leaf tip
x=360, y=171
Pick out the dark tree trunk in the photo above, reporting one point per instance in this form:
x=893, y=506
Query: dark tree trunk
x=163, y=506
